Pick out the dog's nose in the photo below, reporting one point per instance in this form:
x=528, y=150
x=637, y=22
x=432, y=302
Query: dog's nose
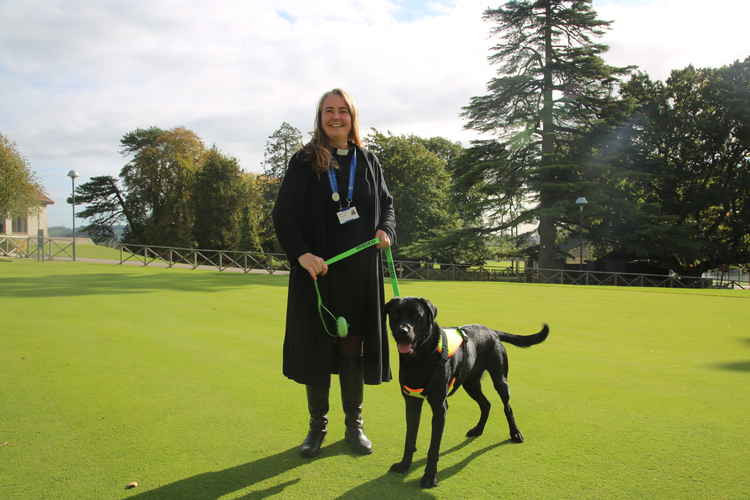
x=403, y=329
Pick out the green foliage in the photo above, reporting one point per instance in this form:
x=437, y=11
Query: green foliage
x=153, y=193
x=280, y=146
x=174, y=193
x=551, y=85
x=487, y=188
x=159, y=180
x=420, y=183
x=253, y=225
x=434, y=221
x=267, y=188
x=218, y=202
x=19, y=189
x=446, y=150
x=105, y=206
x=677, y=171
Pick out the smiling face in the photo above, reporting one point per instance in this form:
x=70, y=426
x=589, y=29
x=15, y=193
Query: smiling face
x=336, y=120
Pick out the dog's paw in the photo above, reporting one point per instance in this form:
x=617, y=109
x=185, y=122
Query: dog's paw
x=475, y=432
x=400, y=467
x=429, y=480
x=516, y=437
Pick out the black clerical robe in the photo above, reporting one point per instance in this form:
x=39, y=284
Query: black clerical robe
x=305, y=221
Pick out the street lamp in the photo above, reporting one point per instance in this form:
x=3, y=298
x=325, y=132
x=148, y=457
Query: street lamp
x=73, y=176
x=581, y=201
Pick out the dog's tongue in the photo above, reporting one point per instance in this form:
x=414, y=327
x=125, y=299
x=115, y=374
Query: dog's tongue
x=404, y=348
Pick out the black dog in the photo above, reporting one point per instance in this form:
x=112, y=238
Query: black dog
x=430, y=370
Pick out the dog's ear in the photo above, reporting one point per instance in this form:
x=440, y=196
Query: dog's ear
x=390, y=305
x=430, y=308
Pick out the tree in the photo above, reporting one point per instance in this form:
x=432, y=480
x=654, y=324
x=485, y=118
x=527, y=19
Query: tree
x=159, y=181
x=419, y=181
x=463, y=239
x=19, y=189
x=268, y=187
x=253, y=225
x=484, y=188
x=446, y=150
x=676, y=190
x=218, y=202
x=280, y=146
x=154, y=190
x=551, y=86
x=106, y=206
x=174, y=193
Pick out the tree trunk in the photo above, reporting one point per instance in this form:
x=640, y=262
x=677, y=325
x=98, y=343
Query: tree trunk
x=548, y=256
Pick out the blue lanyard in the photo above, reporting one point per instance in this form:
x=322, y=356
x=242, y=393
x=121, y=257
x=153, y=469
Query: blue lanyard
x=352, y=171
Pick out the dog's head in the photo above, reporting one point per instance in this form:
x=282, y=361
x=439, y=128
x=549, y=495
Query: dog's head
x=411, y=320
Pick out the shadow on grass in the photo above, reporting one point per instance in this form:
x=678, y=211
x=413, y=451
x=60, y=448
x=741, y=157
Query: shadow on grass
x=734, y=366
x=212, y=485
x=66, y=285
x=390, y=481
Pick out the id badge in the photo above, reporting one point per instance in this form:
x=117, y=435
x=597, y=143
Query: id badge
x=347, y=215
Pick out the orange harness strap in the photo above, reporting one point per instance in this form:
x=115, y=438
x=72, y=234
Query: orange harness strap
x=455, y=339
x=417, y=393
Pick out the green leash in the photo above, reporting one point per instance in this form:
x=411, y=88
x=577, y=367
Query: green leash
x=331, y=322
x=392, y=271
x=338, y=324
x=352, y=251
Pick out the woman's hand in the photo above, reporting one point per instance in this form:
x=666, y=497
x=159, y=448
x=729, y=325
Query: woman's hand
x=385, y=241
x=313, y=265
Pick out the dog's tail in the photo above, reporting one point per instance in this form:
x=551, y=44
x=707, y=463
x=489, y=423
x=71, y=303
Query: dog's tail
x=524, y=340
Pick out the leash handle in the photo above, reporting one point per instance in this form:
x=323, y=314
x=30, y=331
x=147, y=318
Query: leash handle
x=352, y=251
x=342, y=327
x=392, y=271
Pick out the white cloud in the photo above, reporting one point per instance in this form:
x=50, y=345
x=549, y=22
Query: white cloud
x=662, y=35
x=77, y=75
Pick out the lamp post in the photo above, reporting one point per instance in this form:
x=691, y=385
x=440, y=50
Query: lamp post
x=581, y=201
x=73, y=176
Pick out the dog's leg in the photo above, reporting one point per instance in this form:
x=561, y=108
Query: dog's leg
x=474, y=389
x=413, y=412
x=500, y=381
x=439, y=409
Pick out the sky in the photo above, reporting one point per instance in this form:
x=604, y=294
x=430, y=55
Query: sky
x=77, y=75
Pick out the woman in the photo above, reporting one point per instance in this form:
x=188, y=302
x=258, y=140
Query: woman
x=314, y=221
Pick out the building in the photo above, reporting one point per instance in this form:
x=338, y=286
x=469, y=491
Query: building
x=28, y=225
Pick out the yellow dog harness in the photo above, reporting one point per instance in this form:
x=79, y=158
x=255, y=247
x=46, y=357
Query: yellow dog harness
x=454, y=339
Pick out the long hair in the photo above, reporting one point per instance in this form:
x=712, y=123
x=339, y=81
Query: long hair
x=320, y=144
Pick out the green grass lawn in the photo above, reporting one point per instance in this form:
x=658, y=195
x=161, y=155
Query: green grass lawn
x=62, y=249
x=92, y=251
x=172, y=378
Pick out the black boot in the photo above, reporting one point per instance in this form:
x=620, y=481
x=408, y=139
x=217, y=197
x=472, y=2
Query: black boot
x=351, y=380
x=317, y=403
